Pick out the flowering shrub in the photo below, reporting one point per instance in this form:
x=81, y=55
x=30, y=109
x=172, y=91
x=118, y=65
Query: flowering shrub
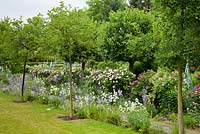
x=142, y=82
x=79, y=76
x=136, y=115
x=109, y=88
x=15, y=84
x=110, y=80
x=50, y=75
x=57, y=75
x=193, y=98
x=139, y=120
x=101, y=107
x=37, y=86
x=101, y=99
x=164, y=87
x=41, y=70
x=130, y=106
x=108, y=107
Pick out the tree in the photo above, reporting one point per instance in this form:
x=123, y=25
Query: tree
x=5, y=41
x=27, y=39
x=74, y=34
x=179, y=41
x=128, y=37
x=99, y=9
x=140, y=4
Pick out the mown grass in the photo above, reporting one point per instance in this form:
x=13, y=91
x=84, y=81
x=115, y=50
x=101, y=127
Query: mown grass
x=34, y=118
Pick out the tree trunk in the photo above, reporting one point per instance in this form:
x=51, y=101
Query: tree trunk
x=180, y=105
x=83, y=66
x=131, y=67
x=70, y=88
x=180, y=79
x=82, y=73
x=23, y=79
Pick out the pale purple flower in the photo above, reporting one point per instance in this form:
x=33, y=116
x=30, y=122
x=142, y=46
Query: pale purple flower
x=119, y=92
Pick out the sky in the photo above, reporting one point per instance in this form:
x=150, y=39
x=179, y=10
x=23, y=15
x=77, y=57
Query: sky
x=30, y=8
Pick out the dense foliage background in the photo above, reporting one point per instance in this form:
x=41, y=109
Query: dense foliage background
x=116, y=61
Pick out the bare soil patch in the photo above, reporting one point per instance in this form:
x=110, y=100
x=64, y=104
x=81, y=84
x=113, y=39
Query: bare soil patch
x=68, y=118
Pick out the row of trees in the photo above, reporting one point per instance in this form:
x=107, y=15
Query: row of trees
x=159, y=32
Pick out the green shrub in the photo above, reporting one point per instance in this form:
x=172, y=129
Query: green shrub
x=81, y=113
x=175, y=129
x=143, y=81
x=91, y=112
x=29, y=97
x=103, y=113
x=196, y=78
x=173, y=117
x=156, y=131
x=190, y=121
x=54, y=101
x=165, y=89
x=110, y=64
x=43, y=99
x=139, y=120
x=115, y=119
x=5, y=81
x=151, y=109
x=99, y=112
x=138, y=67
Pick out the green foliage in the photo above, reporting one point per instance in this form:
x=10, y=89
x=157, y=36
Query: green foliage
x=16, y=67
x=141, y=4
x=73, y=32
x=193, y=100
x=5, y=74
x=190, y=121
x=151, y=109
x=114, y=118
x=128, y=36
x=54, y=101
x=99, y=9
x=175, y=129
x=111, y=64
x=101, y=112
x=29, y=97
x=156, y=131
x=196, y=78
x=165, y=89
x=138, y=67
x=43, y=99
x=28, y=37
x=8, y=52
x=177, y=32
x=143, y=82
x=139, y=120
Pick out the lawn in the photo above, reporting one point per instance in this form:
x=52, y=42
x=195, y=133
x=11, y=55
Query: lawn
x=34, y=118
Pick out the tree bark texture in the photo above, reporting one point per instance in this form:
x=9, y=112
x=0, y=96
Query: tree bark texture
x=70, y=88
x=131, y=66
x=180, y=104
x=180, y=79
x=23, y=79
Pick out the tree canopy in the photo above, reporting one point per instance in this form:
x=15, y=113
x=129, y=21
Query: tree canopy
x=100, y=9
x=128, y=36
